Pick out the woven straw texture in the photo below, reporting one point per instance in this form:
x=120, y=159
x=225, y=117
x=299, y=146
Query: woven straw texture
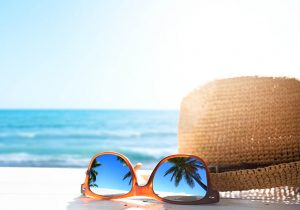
x=287, y=195
x=247, y=129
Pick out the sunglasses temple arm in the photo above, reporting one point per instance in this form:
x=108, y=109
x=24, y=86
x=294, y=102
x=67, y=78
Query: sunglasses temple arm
x=82, y=189
x=137, y=166
x=214, y=196
x=83, y=186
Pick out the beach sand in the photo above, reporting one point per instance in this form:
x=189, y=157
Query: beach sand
x=59, y=189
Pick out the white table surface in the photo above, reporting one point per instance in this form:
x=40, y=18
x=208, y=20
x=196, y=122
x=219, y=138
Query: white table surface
x=59, y=189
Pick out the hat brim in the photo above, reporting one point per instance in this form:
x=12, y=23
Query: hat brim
x=284, y=174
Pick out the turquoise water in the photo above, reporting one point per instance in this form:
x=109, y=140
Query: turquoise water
x=69, y=138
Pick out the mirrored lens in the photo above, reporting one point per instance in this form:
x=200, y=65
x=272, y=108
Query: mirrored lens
x=110, y=176
x=181, y=179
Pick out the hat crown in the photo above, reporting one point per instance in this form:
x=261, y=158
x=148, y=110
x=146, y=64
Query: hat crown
x=245, y=120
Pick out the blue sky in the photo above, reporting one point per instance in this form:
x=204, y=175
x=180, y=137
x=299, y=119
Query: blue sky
x=138, y=54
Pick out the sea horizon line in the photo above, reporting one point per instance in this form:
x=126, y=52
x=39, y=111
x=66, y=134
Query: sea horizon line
x=88, y=109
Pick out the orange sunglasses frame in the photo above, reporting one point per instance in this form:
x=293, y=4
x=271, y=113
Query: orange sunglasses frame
x=211, y=195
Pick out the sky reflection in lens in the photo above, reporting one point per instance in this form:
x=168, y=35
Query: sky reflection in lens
x=181, y=179
x=110, y=176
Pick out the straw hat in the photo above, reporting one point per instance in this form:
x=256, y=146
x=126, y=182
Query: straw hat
x=247, y=129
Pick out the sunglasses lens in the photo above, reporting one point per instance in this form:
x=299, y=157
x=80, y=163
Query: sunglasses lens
x=181, y=179
x=110, y=176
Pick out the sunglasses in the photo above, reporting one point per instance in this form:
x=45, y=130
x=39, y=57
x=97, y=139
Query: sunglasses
x=178, y=179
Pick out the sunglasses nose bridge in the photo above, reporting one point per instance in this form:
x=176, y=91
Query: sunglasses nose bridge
x=145, y=190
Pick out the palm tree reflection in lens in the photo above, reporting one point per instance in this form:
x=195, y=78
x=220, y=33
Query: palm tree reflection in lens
x=181, y=178
x=127, y=175
x=93, y=174
x=187, y=168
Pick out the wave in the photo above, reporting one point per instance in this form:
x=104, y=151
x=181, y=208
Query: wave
x=31, y=160
x=89, y=134
x=154, y=152
x=137, y=154
x=19, y=134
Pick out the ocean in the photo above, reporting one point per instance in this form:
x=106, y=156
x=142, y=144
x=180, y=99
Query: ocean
x=69, y=138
